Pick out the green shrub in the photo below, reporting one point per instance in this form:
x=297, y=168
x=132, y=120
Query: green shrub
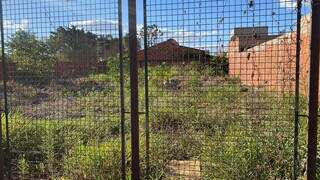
x=33, y=57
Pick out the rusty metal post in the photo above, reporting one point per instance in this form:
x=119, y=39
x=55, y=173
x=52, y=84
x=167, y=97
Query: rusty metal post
x=297, y=94
x=146, y=86
x=313, y=91
x=122, y=106
x=1, y=150
x=6, y=107
x=134, y=90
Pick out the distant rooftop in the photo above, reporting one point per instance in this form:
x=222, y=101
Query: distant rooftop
x=248, y=31
x=249, y=37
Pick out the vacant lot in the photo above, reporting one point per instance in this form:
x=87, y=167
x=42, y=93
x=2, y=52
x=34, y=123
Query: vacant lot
x=69, y=128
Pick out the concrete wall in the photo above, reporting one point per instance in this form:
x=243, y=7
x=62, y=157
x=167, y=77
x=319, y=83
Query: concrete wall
x=271, y=65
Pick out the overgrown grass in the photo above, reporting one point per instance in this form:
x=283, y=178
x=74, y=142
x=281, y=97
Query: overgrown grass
x=234, y=131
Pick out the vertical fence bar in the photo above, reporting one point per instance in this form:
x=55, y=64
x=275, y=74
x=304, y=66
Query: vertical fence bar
x=5, y=76
x=1, y=150
x=313, y=91
x=134, y=90
x=297, y=93
x=146, y=80
x=122, y=109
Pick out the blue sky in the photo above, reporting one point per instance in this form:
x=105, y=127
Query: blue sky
x=203, y=24
x=43, y=16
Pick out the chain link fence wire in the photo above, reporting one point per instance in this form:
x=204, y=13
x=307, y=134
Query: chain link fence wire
x=62, y=62
x=221, y=85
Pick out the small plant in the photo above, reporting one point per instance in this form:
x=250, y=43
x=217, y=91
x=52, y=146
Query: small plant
x=23, y=167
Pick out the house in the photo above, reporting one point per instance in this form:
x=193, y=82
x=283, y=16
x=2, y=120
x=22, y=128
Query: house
x=172, y=53
x=268, y=61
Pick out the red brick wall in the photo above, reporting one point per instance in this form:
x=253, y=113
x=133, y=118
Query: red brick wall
x=271, y=65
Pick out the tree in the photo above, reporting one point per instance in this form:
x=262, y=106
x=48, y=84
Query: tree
x=74, y=44
x=31, y=55
x=153, y=34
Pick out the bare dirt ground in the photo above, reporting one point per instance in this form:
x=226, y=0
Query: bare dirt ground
x=187, y=170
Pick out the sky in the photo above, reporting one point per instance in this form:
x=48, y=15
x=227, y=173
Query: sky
x=205, y=24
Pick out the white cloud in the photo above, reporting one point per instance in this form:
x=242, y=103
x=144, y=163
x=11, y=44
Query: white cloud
x=288, y=3
x=187, y=34
x=97, y=26
x=182, y=35
x=14, y=26
x=94, y=22
x=196, y=39
x=293, y=3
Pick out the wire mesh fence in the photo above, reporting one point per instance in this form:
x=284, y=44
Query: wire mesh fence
x=62, y=97
x=222, y=78
x=222, y=86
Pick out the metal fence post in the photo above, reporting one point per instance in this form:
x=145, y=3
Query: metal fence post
x=1, y=150
x=313, y=91
x=134, y=90
x=5, y=76
x=122, y=109
x=146, y=83
x=297, y=93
